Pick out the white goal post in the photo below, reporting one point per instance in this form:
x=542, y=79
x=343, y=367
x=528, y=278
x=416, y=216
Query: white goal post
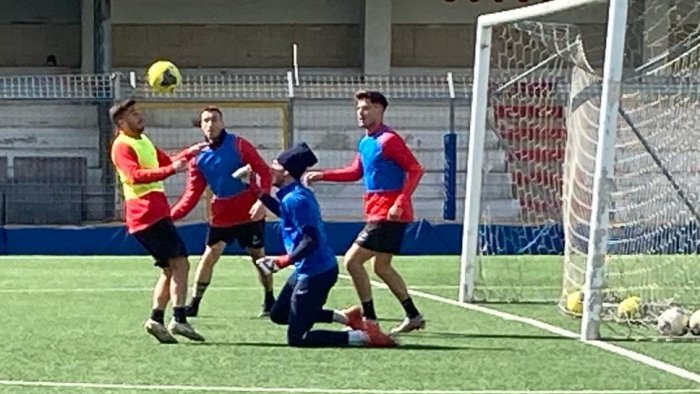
x=601, y=183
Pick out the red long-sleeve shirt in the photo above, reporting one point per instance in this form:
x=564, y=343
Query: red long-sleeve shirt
x=229, y=211
x=377, y=204
x=142, y=212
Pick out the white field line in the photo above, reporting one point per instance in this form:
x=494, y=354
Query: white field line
x=137, y=289
x=644, y=359
x=239, y=288
x=503, y=315
x=232, y=389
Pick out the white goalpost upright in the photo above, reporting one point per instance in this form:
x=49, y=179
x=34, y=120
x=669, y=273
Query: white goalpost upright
x=583, y=163
x=599, y=183
x=604, y=169
x=477, y=128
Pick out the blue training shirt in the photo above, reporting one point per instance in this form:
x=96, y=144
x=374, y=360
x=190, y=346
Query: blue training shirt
x=218, y=163
x=298, y=209
x=380, y=174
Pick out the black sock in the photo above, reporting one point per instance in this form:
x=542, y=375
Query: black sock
x=179, y=314
x=410, y=309
x=325, y=316
x=269, y=299
x=194, y=302
x=199, y=290
x=158, y=315
x=368, y=310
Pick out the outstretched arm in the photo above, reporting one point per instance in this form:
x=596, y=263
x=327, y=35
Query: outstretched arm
x=270, y=203
x=251, y=156
x=127, y=162
x=351, y=173
x=189, y=152
x=193, y=192
x=244, y=174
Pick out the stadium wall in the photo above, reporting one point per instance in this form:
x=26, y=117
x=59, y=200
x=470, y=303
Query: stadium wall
x=316, y=11
x=254, y=34
x=422, y=238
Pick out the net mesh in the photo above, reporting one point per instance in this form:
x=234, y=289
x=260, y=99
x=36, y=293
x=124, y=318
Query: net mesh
x=544, y=108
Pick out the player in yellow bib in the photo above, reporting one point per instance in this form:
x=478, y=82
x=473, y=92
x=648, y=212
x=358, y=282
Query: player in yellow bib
x=142, y=168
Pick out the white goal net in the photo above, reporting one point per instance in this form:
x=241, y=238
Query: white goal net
x=544, y=103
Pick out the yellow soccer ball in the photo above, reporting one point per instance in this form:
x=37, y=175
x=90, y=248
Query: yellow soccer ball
x=630, y=308
x=574, y=303
x=164, y=76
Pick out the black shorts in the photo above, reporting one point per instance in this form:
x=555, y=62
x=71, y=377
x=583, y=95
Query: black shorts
x=382, y=237
x=162, y=241
x=248, y=235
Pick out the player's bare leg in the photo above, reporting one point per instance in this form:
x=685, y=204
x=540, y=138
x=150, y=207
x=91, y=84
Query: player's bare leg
x=178, y=281
x=155, y=326
x=384, y=270
x=354, y=261
x=203, y=274
x=265, y=281
x=161, y=291
x=178, y=294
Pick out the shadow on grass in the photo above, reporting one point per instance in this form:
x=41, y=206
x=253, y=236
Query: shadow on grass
x=516, y=302
x=411, y=346
x=654, y=339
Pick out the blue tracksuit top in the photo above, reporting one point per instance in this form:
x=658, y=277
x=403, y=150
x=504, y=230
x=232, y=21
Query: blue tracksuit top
x=379, y=174
x=298, y=209
x=218, y=163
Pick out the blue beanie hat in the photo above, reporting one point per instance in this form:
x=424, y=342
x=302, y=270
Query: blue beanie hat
x=297, y=160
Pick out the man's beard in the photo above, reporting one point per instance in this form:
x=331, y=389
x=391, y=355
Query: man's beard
x=214, y=139
x=368, y=125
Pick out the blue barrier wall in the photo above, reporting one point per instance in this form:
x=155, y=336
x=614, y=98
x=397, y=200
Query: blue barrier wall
x=422, y=238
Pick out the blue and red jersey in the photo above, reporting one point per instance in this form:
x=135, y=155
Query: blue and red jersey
x=389, y=170
x=214, y=166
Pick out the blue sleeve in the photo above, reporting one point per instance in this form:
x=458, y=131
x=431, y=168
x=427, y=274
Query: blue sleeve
x=308, y=244
x=271, y=203
x=304, y=216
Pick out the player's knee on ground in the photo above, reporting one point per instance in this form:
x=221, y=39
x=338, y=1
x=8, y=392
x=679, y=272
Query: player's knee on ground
x=296, y=338
x=279, y=315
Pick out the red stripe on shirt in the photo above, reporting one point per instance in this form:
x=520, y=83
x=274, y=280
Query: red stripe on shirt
x=377, y=204
x=395, y=149
x=142, y=212
x=230, y=211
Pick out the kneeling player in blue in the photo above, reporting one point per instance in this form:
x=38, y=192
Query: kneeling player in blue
x=300, y=302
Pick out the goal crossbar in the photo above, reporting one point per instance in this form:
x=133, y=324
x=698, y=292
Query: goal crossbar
x=532, y=11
